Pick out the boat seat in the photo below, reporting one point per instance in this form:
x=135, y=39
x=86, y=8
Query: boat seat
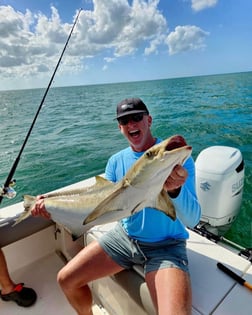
x=9, y=233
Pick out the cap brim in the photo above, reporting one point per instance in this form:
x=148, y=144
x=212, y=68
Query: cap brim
x=130, y=113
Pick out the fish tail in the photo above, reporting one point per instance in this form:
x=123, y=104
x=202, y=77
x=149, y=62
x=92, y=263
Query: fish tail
x=29, y=201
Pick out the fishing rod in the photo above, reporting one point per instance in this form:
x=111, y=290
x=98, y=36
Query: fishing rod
x=7, y=189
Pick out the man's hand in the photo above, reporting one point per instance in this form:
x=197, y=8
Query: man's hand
x=176, y=179
x=39, y=208
x=179, y=174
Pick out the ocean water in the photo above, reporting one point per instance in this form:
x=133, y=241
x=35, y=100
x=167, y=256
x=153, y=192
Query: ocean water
x=75, y=133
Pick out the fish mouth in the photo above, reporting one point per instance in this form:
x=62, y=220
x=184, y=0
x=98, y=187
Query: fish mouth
x=175, y=142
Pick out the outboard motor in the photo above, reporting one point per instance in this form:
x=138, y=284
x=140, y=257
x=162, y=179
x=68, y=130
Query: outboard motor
x=219, y=185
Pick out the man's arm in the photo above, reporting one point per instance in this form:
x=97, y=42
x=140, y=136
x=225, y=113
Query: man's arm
x=184, y=196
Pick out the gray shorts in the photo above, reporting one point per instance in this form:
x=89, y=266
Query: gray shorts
x=127, y=252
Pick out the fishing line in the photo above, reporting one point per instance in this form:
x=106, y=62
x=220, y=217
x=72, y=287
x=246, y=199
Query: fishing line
x=7, y=189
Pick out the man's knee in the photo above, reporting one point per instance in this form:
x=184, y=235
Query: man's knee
x=63, y=280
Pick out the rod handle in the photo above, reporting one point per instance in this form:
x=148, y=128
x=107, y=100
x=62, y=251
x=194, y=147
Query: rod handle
x=234, y=276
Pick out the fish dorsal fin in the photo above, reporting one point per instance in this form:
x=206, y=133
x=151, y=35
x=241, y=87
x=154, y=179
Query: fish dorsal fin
x=101, y=181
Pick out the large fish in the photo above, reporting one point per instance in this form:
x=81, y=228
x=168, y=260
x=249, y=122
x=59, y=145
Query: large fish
x=104, y=202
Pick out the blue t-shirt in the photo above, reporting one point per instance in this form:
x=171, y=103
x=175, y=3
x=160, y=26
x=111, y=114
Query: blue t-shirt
x=150, y=225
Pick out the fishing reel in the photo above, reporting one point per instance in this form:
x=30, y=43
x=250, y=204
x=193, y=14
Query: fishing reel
x=9, y=191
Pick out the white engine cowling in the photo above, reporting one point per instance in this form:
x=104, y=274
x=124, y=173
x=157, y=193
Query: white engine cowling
x=219, y=184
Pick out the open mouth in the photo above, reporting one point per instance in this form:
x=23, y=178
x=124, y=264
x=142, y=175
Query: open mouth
x=134, y=133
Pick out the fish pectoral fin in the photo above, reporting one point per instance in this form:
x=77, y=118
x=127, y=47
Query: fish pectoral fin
x=29, y=201
x=164, y=204
x=107, y=205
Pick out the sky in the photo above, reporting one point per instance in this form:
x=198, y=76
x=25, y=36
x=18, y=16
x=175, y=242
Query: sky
x=121, y=41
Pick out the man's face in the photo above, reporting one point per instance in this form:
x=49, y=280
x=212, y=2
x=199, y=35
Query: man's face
x=136, y=128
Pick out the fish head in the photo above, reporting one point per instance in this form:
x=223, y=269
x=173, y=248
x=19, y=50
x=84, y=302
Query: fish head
x=157, y=163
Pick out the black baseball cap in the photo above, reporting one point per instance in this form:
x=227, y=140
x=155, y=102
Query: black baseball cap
x=130, y=106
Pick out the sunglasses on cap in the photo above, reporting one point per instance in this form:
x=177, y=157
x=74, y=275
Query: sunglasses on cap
x=134, y=117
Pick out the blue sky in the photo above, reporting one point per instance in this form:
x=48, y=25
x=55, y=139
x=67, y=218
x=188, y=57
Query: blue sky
x=120, y=40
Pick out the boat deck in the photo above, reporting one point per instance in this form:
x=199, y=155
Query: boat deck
x=49, y=295
x=50, y=298
x=40, y=275
x=214, y=292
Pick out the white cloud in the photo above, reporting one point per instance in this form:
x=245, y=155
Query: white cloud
x=116, y=25
x=154, y=44
x=31, y=43
x=109, y=59
x=198, y=5
x=186, y=38
x=105, y=67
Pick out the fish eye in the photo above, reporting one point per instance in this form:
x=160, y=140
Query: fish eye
x=148, y=154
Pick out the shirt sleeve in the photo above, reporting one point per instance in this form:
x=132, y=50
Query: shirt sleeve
x=110, y=170
x=186, y=203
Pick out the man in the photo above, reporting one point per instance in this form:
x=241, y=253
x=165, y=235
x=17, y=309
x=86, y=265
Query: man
x=14, y=292
x=148, y=237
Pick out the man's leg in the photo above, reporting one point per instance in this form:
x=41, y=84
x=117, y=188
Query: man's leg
x=170, y=290
x=91, y=263
x=14, y=292
x=5, y=280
